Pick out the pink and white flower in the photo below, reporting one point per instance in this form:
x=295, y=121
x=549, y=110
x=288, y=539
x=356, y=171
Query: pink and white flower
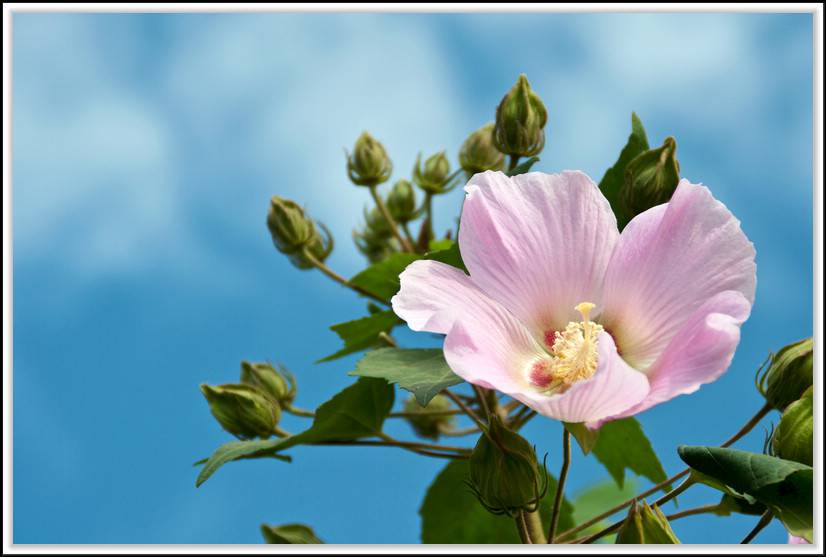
x=579, y=322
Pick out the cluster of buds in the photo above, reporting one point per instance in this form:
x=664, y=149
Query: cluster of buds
x=520, y=121
x=375, y=240
x=650, y=178
x=504, y=472
x=430, y=421
x=296, y=235
x=401, y=202
x=252, y=408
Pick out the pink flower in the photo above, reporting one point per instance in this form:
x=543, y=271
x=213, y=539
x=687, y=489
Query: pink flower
x=796, y=540
x=574, y=319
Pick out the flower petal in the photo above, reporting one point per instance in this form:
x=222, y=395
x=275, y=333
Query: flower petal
x=537, y=243
x=485, y=344
x=700, y=352
x=668, y=262
x=614, y=388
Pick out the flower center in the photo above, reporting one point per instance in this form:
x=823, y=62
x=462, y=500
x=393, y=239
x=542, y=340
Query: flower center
x=572, y=357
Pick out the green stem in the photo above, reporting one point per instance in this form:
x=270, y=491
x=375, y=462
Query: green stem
x=535, y=529
x=340, y=279
x=691, y=512
x=764, y=521
x=522, y=528
x=298, y=411
x=408, y=236
x=466, y=409
x=391, y=222
x=560, y=488
x=513, y=161
x=451, y=412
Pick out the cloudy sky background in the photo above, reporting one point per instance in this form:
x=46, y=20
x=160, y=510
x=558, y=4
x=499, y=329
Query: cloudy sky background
x=146, y=148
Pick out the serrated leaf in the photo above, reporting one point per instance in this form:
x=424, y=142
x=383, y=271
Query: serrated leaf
x=423, y=372
x=615, y=176
x=449, y=255
x=289, y=533
x=585, y=437
x=623, y=445
x=382, y=279
x=357, y=411
x=363, y=333
x=646, y=525
x=451, y=514
x=784, y=486
x=523, y=167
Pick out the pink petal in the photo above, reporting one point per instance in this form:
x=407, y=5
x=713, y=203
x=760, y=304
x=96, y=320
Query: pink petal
x=700, y=352
x=669, y=260
x=537, y=243
x=485, y=345
x=614, y=388
x=797, y=540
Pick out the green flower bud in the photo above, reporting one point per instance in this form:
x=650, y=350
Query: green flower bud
x=788, y=375
x=290, y=228
x=520, y=121
x=646, y=525
x=794, y=437
x=401, y=202
x=433, y=176
x=373, y=246
x=650, y=178
x=369, y=164
x=376, y=223
x=427, y=421
x=242, y=410
x=278, y=384
x=504, y=472
x=293, y=233
x=478, y=153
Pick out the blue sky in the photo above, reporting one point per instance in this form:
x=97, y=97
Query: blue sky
x=146, y=148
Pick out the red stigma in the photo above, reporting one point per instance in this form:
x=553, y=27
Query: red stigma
x=550, y=338
x=539, y=375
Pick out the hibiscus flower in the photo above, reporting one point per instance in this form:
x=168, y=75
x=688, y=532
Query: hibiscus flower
x=569, y=316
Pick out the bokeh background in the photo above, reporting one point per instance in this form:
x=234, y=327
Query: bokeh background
x=146, y=148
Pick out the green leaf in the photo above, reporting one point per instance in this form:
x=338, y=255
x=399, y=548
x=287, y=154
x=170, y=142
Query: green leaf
x=646, y=525
x=614, y=177
x=382, y=279
x=523, y=167
x=585, y=437
x=423, y=372
x=357, y=411
x=593, y=500
x=732, y=504
x=289, y=533
x=449, y=255
x=362, y=333
x=784, y=486
x=438, y=245
x=452, y=514
x=622, y=444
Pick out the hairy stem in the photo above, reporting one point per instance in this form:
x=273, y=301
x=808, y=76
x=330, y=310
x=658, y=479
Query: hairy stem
x=391, y=222
x=465, y=408
x=560, y=487
x=513, y=161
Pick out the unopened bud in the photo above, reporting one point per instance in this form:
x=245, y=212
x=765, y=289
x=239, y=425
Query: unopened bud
x=478, y=153
x=432, y=420
x=788, y=375
x=368, y=165
x=794, y=437
x=279, y=384
x=401, y=202
x=504, y=472
x=373, y=246
x=290, y=228
x=646, y=525
x=520, y=121
x=242, y=410
x=650, y=178
x=433, y=176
